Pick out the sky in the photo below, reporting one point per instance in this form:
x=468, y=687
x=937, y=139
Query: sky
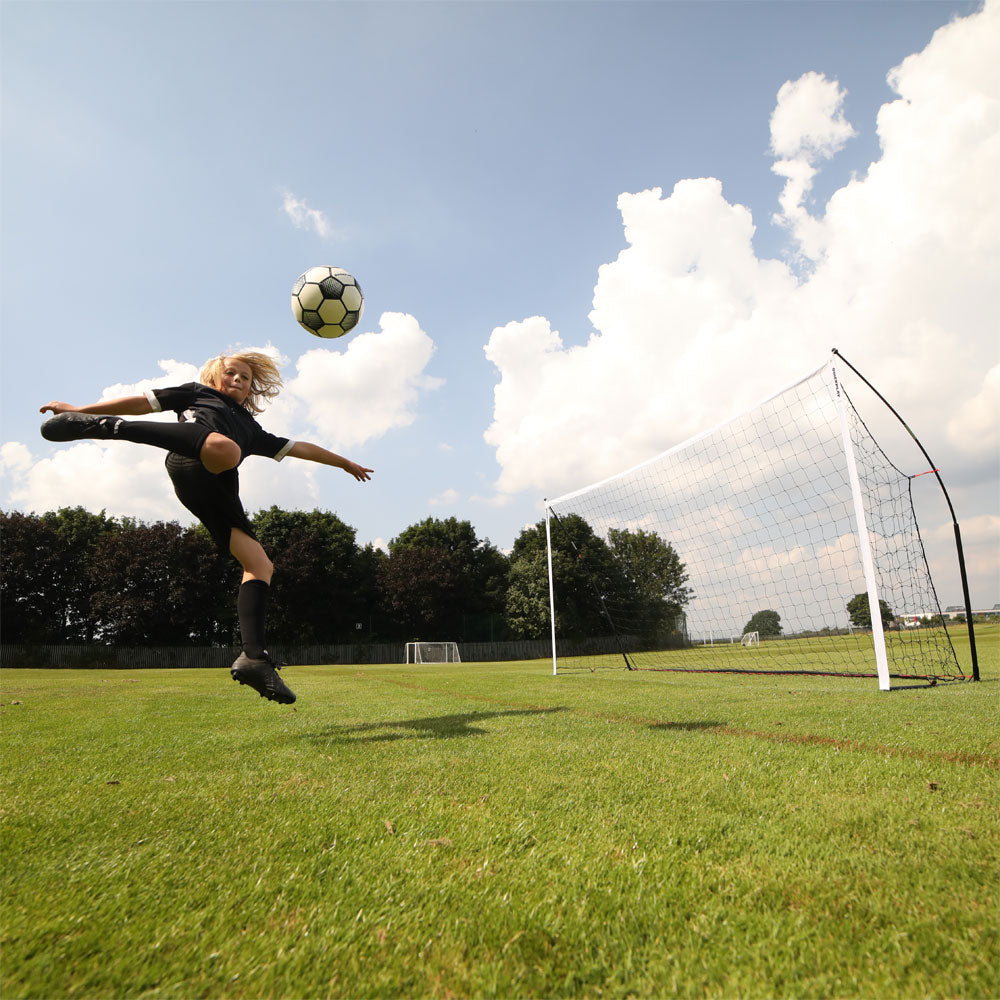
x=585, y=232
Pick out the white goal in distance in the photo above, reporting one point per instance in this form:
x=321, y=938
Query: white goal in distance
x=432, y=652
x=750, y=639
x=791, y=506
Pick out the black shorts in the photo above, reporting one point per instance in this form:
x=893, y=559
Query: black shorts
x=213, y=499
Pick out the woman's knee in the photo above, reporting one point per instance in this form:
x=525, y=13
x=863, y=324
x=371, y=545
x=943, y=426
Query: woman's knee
x=219, y=453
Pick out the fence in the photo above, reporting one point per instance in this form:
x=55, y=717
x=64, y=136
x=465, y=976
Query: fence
x=143, y=657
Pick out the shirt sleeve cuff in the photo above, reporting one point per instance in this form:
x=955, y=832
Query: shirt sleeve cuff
x=284, y=451
x=153, y=402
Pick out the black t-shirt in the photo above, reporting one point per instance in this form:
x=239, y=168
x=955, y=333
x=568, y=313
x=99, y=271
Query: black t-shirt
x=211, y=408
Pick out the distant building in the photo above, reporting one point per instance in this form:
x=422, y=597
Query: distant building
x=953, y=611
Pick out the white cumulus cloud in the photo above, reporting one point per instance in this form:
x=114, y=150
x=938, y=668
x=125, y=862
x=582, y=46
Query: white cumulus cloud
x=304, y=217
x=807, y=126
x=975, y=428
x=370, y=388
x=121, y=479
x=15, y=458
x=173, y=373
x=446, y=498
x=808, y=120
x=690, y=325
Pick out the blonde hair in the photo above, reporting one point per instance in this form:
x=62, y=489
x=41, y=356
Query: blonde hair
x=265, y=379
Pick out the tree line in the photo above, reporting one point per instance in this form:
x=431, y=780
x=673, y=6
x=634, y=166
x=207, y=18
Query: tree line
x=75, y=577
x=768, y=622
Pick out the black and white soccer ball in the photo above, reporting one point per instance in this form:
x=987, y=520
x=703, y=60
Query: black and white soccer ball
x=327, y=301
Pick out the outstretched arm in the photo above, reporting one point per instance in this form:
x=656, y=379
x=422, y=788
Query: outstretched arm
x=124, y=406
x=314, y=453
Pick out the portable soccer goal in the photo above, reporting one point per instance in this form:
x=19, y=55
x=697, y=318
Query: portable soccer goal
x=784, y=514
x=432, y=652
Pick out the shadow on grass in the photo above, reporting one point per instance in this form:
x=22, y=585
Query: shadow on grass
x=437, y=727
x=686, y=727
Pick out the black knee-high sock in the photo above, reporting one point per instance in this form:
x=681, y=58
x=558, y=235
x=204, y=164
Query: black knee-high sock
x=251, y=607
x=183, y=438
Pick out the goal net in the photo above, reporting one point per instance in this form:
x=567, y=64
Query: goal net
x=788, y=523
x=432, y=652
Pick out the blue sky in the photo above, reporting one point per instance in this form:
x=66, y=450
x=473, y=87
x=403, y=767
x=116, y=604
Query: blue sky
x=164, y=167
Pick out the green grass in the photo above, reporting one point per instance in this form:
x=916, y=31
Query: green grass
x=491, y=830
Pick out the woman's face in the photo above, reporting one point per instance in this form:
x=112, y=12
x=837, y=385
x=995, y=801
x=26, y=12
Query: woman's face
x=236, y=379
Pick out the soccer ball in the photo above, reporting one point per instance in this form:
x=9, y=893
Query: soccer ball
x=327, y=301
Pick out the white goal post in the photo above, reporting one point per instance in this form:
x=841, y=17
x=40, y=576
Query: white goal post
x=750, y=639
x=432, y=652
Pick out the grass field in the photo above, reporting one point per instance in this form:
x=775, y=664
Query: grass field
x=491, y=830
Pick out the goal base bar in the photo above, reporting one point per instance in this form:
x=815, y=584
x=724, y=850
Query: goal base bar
x=931, y=679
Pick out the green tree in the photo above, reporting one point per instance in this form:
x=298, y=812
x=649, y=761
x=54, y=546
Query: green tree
x=589, y=583
x=422, y=593
x=317, y=592
x=528, y=597
x=765, y=623
x=161, y=584
x=78, y=534
x=861, y=615
x=482, y=566
x=659, y=577
x=477, y=591
x=45, y=588
x=371, y=608
x=31, y=596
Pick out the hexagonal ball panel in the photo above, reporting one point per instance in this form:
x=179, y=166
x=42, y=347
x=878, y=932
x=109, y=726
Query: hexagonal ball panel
x=317, y=274
x=332, y=311
x=351, y=298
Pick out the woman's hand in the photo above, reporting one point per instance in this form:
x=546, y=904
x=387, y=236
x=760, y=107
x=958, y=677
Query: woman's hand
x=57, y=407
x=360, y=473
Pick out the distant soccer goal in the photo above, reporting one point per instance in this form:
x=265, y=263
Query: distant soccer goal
x=788, y=521
x=432, y=652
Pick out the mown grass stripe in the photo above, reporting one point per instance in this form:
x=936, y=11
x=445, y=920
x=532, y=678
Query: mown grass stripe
x=808, y=739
